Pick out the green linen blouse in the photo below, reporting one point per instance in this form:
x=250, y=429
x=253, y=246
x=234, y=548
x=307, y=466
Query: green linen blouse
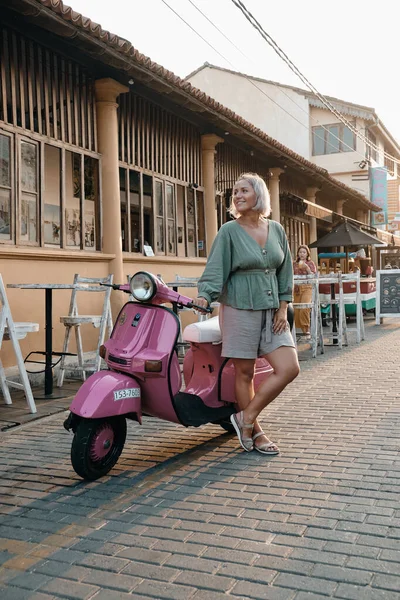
x=243, y=275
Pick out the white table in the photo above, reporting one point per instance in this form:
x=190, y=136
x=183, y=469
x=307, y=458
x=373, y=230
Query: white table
x=48, y=287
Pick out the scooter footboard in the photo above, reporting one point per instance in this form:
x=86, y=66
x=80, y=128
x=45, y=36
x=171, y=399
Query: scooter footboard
x=107, y=394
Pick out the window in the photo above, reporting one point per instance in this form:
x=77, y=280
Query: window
x=170, y=215
x=52, y=196
x=201, y=224
x=29, y=200
x=6, y=187
x=50, y=182
x=332, y=139
x=389, y=163
x=73, y=197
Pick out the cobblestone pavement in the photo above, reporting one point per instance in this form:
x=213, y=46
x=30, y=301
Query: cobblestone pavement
x=187, y=515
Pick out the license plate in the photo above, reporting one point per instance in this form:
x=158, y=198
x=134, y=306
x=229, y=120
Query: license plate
x=127, y=393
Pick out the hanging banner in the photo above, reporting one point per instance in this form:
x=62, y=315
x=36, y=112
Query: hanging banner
x=379, y=194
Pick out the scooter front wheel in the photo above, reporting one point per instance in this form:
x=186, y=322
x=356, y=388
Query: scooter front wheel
x=97, y=445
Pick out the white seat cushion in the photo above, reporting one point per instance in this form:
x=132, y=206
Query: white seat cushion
x=203, y=332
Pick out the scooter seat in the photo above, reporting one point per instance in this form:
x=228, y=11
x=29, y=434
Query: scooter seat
x=203, y=332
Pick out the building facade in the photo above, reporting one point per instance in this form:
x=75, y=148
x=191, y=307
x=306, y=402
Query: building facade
x=298, y=119
x=111, y=164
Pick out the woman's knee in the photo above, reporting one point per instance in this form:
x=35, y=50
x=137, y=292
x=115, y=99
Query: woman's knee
x=288, y=370
x=245, y=370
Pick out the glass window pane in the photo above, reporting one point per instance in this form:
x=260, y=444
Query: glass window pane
x=158, y=193
x=5, y=167
x=180, y=199
x=332, y=140
x=318, y=141
x=28, y=167
x=171, y=237
x=170, y=201
x=91, y=184
x=201, y=225
x=52, y=195
x=349, y=140
x=72, y=199
x=28, y=217
x=134, y=196
x=5, y=214
x=160, y=235
x=148, y=223
x=191, y=223
x=123, y=209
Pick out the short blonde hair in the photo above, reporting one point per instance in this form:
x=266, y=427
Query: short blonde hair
x=263, y=202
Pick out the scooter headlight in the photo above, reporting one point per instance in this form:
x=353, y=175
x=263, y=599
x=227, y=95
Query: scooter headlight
x=143, y=286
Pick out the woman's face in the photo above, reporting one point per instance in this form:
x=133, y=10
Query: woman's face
x=302, y=254
x=244, y=196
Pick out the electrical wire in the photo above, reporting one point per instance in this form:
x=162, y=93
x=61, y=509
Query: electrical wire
x=253, y=21
x=251, y=81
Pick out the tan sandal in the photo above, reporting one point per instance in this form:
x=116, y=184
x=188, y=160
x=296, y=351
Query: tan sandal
x=266, y=448
x=239, y=425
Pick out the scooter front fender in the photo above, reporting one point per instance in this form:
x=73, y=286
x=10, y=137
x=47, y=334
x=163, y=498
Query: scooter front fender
x=108, y=394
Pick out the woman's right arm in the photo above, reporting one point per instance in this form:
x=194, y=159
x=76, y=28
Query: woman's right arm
x=218, y=268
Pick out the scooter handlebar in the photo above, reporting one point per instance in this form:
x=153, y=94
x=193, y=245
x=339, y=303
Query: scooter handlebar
x=117, y=286
x=207, y=310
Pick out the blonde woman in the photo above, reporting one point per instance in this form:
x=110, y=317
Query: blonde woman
x=249, y=271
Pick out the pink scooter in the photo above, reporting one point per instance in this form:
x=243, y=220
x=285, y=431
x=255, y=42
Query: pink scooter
x=144, y=377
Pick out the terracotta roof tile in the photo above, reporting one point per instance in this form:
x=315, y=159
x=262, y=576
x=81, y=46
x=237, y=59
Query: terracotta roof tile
x=125, y=47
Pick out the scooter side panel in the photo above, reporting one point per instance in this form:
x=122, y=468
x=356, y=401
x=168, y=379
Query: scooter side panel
x=95, y=398
x=141, y=333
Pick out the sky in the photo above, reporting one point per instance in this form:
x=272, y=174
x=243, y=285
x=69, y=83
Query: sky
x=346, y=48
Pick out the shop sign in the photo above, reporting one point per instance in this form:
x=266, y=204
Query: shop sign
x=379, y=195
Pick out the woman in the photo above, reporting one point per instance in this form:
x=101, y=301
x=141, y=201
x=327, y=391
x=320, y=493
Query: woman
x=303, y=265
x=249, y=271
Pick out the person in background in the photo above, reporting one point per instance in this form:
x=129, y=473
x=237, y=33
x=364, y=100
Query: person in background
x=249, y=271
x=303, y=265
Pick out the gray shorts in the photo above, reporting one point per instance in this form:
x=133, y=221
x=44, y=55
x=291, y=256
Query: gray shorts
x=248, y=333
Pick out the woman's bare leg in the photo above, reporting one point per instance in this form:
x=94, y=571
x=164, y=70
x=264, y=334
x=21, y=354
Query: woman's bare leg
x=286, y=368
x=244, y=391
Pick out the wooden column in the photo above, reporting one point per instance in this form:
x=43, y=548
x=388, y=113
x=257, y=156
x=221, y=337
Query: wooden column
x=360, y=216
x=273, y=186
x=311, y=193
x=107, y=92
x=339, y=206
x=208, y=144
x=339, y=210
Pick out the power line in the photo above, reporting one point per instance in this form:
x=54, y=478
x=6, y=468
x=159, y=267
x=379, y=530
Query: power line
x=251, y=81
x=253, y=21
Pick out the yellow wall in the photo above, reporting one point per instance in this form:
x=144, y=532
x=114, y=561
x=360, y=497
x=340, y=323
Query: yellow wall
x=39, y=267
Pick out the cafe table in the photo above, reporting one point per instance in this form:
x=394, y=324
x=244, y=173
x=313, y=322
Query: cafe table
x=48, y=370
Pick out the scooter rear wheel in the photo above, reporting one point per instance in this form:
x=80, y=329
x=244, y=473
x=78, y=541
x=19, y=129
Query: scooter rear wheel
x=97, y=445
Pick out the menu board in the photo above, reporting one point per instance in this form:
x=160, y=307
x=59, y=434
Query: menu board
x=387, y=294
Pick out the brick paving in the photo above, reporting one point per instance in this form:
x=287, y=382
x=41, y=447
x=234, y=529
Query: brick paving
x=186, y=514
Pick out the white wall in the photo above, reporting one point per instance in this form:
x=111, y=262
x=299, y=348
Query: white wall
x=264, y=111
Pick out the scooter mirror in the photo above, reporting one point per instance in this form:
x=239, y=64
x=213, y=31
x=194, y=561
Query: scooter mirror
x=143, y=286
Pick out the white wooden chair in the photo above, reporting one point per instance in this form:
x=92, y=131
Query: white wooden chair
x=354, y=298
x=74, y=321
x=341, y=334
x=9, y=330
x=316, y=331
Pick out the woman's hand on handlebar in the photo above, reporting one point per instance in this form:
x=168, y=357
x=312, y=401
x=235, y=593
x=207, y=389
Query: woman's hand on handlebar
x=200, y=303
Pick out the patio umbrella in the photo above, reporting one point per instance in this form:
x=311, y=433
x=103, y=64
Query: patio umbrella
x=346, y=234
